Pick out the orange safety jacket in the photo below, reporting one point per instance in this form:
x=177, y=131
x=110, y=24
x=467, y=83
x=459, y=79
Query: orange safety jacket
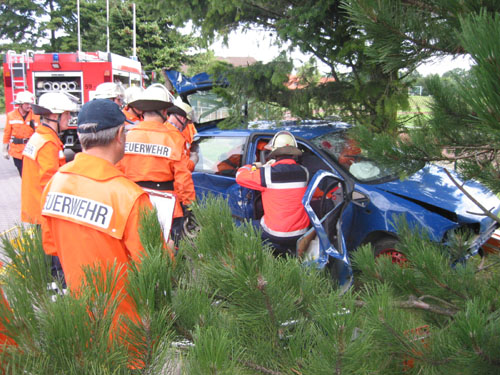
x=90, y=217
x=18, y=131
x=282, y=184
x=131, y=116
x=42, y=157
x=156, y=152
x=189, y=132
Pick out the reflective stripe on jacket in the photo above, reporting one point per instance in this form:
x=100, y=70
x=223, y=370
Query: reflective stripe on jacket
x=17, y=127
x=90, y=216
x=282, y=185
x=42, y=157
x=156, y=152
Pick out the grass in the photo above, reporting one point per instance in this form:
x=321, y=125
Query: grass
x=418, y=105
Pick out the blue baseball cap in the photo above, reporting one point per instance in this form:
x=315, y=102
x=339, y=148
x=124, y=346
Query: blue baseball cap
x=103, y=113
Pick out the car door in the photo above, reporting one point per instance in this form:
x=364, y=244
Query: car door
x=215, y=173
x=323, y=246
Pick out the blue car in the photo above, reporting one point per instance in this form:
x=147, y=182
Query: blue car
x=350, y=200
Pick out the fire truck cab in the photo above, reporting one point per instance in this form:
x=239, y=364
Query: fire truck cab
x=77, y=73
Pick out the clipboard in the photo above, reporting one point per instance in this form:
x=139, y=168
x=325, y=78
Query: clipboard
x=164, y=204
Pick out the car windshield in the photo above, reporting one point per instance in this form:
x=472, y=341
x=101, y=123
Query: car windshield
x=208, y=106
x=347, y=153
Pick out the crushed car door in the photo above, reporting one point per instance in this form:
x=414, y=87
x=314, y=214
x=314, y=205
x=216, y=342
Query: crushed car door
x=323, y=246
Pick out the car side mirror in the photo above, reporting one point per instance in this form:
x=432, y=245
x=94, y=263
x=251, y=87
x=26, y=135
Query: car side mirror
x=359, y=199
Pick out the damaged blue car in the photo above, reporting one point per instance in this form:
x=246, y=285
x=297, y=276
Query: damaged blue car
x=350, y=200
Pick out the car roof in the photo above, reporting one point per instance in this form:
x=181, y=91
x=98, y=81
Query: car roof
x=306, y=130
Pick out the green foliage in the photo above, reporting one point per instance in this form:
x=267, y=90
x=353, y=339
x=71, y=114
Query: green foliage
x=70, y=334
x=159, y=44
x=462, y=129
x=19, y=23
x=226, y=305
x=367, y=92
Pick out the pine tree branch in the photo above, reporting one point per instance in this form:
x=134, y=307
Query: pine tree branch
x=446, y=287
x=421, y=5
x=261, y=285
x=479, y=269
x=452, y=306
x=414, y=303
x=459, y=186
x=484, y=356
x=338, y=366
x=402, y=340
x=260, y=368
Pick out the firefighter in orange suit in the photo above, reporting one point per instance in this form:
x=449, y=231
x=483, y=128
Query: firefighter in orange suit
x=132, y=114
x=43, y=154
x=283, y=183
x=19, y=126
x=112, y=91
x=181, y=116
x=155, y=154
x=91, y=211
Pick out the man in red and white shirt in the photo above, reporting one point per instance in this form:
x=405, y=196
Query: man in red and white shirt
x=282, y=182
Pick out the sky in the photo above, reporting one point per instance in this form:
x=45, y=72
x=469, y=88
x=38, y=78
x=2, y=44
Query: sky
x=258, y=44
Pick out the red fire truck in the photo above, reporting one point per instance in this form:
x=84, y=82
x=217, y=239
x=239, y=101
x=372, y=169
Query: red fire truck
x=77, y=73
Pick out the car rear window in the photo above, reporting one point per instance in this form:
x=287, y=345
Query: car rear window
x=208, y=106
x=220, y=155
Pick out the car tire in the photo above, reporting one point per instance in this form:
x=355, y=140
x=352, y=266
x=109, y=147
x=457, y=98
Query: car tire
x=387, y=246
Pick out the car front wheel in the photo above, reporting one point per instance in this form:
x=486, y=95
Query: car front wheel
x=387, y=247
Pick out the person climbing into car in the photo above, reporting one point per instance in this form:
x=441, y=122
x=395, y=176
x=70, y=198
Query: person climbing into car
x=282, y=182
x=155, y=154
x=19, y=127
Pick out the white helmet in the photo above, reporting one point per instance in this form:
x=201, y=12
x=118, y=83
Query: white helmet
x=155, y=97
x=182, y=109
x=55, y=102
x=109, y=90
x=24, y=97
x=281, y=139
x=133, y=93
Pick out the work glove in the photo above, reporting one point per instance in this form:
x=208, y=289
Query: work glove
x=190, y=226
x=6, y=151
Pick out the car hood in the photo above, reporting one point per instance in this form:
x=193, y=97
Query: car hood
x=431, y=188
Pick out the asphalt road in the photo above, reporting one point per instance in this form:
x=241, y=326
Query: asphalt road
x=10, y=190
